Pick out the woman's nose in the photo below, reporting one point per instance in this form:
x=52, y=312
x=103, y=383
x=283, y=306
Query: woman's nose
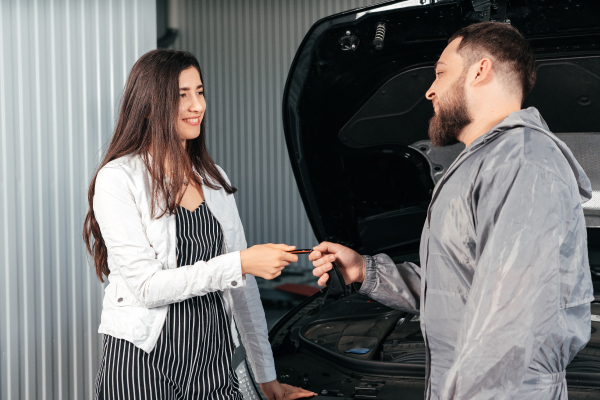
x=196, y=105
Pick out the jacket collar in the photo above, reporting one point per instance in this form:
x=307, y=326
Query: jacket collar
x=526, y=118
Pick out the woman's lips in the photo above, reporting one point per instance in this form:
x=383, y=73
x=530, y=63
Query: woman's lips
x=193, y=121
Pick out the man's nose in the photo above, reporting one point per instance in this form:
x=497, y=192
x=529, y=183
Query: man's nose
x=430, y=93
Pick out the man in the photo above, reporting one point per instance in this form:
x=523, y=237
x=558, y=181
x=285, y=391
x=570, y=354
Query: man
x=504, y=286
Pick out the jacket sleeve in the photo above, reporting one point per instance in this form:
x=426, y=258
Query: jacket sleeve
x=134, y=258
x=520, y=220
x=394, y=285
x=250, y=315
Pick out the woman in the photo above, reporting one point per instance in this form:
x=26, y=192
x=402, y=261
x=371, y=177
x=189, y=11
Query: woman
x=164, y=228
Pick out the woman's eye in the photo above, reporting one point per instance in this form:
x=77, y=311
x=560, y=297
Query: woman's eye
x=182, y=95
x=201, y=93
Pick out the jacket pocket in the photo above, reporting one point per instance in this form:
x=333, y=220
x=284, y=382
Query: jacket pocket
x=123, y=297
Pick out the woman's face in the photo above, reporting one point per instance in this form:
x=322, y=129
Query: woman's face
x=191, y=104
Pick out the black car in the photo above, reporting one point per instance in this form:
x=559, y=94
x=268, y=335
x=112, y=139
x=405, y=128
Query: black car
x=356, y=123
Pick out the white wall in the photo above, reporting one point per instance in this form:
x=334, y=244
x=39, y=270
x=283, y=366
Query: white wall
x=63, y=65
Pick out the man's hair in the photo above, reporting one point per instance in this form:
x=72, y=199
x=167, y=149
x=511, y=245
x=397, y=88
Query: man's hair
x=510, y=53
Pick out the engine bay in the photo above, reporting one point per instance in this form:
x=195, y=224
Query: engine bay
x=359, y=333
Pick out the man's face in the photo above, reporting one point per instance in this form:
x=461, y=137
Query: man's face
x=447, y=94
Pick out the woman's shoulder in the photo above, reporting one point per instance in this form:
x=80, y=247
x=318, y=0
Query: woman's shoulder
x=130, y=164
x=125, y=168
x=223, y=174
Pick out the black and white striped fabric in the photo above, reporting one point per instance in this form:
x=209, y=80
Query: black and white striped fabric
x=192, y=358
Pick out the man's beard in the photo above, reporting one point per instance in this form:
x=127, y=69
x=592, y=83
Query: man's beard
x=451, y=117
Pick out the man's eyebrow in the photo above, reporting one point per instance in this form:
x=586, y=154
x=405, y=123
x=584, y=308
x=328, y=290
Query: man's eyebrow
x=438, y=63
x=187, y=88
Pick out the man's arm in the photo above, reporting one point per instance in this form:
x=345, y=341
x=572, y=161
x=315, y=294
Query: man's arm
x=519, y=215
x=396, y=286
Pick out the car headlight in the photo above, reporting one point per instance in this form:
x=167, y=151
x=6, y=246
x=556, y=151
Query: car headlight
x=246, y=384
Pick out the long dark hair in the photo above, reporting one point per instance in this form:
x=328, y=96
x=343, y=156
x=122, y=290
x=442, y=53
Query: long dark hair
x=148, y=116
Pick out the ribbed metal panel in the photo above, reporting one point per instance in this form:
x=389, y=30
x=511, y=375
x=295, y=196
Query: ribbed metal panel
x=245, y=49
x=63, y=65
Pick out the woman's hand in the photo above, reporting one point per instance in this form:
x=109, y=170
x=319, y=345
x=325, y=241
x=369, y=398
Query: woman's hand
x=280, y=391
x=350, y=263
x=267, y=260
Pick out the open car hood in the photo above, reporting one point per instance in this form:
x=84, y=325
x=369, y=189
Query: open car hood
x=356, y=118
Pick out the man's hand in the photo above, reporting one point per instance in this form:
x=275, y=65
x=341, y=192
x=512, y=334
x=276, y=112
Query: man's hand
x=280, y=391
x=350, y=263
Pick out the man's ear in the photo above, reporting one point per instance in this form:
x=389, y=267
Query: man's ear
x=482, y=72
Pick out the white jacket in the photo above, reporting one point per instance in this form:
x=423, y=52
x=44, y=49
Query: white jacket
x=144, y=278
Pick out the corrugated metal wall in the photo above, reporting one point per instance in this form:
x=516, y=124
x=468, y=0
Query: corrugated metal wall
x=245, y=49
x=63, y=66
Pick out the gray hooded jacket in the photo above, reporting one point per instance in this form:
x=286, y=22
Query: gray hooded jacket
x=504, y=287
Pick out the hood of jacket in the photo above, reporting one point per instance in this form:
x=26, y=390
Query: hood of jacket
x=531, y=118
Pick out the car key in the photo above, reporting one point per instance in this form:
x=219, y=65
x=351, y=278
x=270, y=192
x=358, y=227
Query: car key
x=300, y=251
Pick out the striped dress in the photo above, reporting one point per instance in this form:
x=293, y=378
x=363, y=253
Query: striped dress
x=192, y=358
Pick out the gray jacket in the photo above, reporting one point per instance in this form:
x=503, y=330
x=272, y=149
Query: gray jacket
x=504, y=285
